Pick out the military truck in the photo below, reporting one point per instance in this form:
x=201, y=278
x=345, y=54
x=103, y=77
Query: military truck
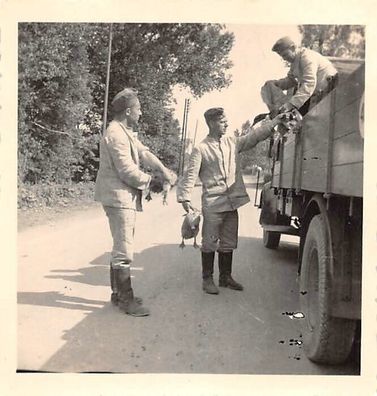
x=316, y=193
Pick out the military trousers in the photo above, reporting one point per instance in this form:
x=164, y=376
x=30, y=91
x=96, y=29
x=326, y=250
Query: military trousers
x=219, y=231
x=122, y=227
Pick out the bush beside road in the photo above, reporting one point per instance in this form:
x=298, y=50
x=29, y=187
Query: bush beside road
x=40, y=204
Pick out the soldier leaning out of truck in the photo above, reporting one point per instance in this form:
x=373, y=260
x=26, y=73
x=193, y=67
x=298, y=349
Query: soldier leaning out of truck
x=311, y=75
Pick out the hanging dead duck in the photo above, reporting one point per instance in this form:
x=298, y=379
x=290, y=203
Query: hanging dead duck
x=190, y=228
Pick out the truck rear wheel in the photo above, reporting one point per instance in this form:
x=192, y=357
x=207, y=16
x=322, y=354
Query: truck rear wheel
x=271, y=239
x=326, y=339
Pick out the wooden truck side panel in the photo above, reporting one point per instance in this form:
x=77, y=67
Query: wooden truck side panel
x=303, y=157
x=315, y=135
x=351, y=89
x=284, y=171
x=347, y=147
x=316, y=194
x=329, y=148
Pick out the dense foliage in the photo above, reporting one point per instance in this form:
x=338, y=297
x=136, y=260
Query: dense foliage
x=54, y=95
x=344, y=41
x=62, y=76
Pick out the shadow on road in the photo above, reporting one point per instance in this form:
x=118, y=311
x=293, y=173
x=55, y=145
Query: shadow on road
x=59, y=300
x=96, y=275
x=186, y=327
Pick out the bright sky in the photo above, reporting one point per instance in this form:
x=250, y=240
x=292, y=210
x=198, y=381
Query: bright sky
x=253, y=64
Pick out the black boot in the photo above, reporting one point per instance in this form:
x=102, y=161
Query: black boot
x=207, y=273
x=225, y=268
x=114, y=289
x=126, y=300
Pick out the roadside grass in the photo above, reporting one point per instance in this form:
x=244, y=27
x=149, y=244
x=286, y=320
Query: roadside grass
x=42, y=203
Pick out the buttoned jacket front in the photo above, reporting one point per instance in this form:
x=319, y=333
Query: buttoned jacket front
x=216, y=163
x=119, y=180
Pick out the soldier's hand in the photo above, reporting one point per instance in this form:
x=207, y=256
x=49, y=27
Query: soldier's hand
x=187, y=206
x=270, y=82
x=286, y=107
x=279, y=119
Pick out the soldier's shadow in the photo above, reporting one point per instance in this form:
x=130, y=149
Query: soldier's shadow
x=59, y=300
x=96, y=274
x=169, y=280
x=154, y=270
x=170, y=340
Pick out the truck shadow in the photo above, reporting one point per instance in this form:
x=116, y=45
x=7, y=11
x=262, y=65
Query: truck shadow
x=174, y=338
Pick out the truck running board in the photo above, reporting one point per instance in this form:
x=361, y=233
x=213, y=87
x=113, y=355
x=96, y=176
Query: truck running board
x=281, y=229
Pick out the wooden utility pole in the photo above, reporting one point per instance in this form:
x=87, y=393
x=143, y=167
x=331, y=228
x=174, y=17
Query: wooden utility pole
x=107, y=79
x=184, y=136
x=185, y=141
x=196, y=129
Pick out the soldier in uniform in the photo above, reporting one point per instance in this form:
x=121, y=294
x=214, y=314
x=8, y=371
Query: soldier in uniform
x=215, y=162
x=119, y=186
x=311, y=75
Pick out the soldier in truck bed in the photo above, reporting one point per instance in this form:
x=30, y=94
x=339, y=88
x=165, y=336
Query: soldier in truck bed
x=311, y=74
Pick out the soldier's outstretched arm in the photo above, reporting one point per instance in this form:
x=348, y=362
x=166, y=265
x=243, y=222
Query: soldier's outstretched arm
x=258, y=133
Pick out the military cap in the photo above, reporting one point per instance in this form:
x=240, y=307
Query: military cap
x=123, y=99
x=282, y=44
x=214, y=113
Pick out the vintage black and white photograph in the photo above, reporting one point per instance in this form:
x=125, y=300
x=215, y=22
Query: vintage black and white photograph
x=221, y=238
x=190, y=198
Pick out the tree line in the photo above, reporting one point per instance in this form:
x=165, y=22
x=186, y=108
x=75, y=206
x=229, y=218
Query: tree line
x=62, y=77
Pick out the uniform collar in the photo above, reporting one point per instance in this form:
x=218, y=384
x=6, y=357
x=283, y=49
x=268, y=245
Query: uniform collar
x=129, y=131
x=212, y=139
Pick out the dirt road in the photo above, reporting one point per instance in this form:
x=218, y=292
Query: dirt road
x=66, y=323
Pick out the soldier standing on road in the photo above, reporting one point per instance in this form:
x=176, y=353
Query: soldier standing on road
x=119, y=188
x=215, y=162
x=310, y=73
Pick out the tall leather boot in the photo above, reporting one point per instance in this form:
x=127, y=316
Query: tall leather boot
x=114, y=289
x=225, y=268
x=126, y=300
x=207, y=273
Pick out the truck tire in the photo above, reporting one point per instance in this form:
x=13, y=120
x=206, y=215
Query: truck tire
x=326, y=339
x=271, y=239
